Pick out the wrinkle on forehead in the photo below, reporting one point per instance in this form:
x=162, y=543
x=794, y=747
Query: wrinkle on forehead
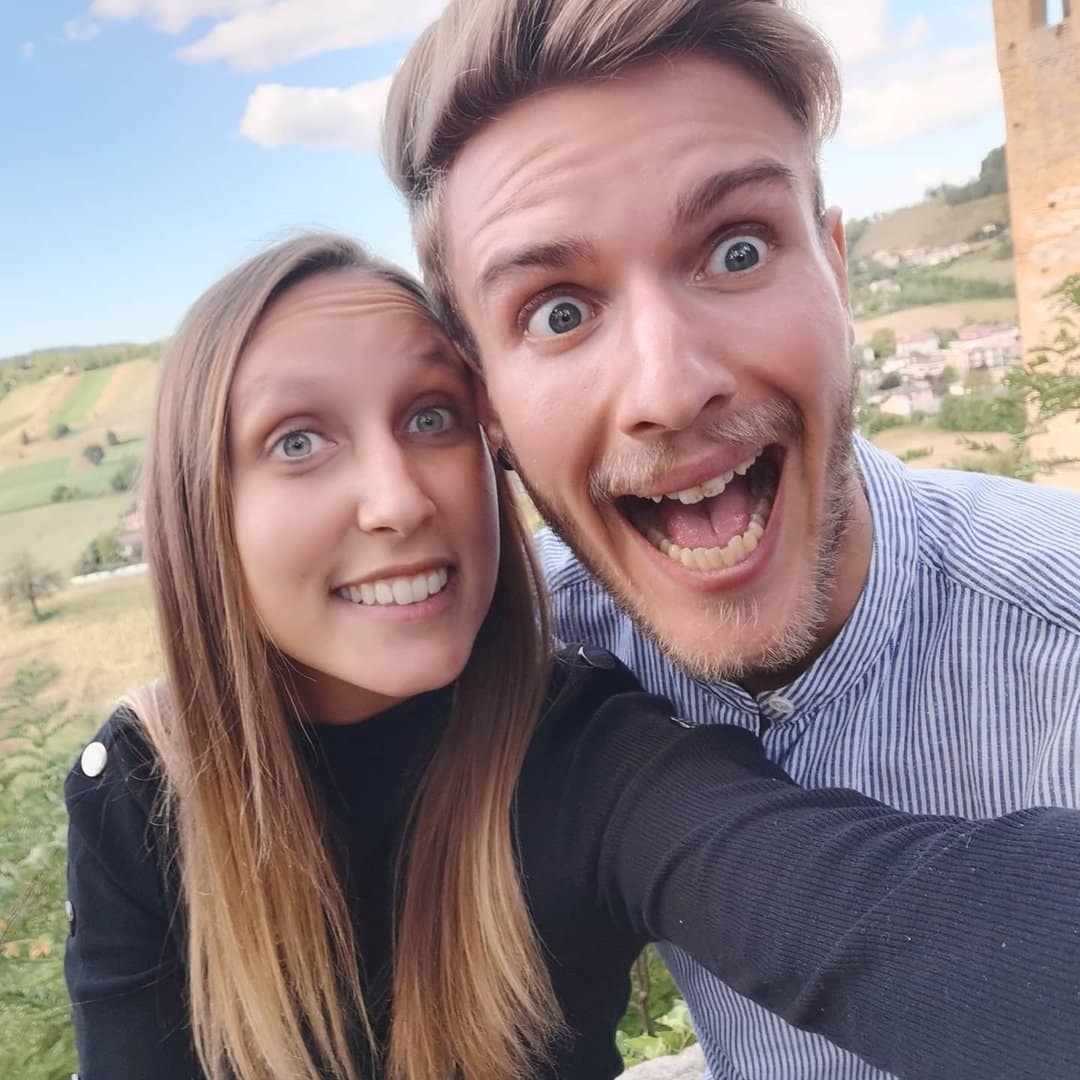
x=338, y=294
x=706, y=115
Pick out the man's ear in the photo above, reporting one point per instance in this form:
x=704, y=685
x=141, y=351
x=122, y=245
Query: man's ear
x=834, y=237
x=489, y=418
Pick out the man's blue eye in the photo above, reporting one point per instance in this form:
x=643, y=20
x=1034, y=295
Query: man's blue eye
x=737, y=255
x=557, y=316
x=433, y=420
x=297, y=445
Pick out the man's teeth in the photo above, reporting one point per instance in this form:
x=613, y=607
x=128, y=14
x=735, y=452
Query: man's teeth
x=711, y=488
x=737, y=548
x=401, y=591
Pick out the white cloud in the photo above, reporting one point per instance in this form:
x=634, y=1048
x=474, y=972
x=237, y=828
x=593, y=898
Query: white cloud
x=172, y=16
x=84, y=28
x=917, y=34
x=858, y=31
x=950, y=88
x=290, y=30
x=316, y=118
x=27, y=50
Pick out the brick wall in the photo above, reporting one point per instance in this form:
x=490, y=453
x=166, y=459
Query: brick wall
x=1040, y=77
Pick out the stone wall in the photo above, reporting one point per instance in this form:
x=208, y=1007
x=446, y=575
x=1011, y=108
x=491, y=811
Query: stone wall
x=1040, y=77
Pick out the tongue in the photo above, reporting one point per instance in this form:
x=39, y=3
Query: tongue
x=708, y=524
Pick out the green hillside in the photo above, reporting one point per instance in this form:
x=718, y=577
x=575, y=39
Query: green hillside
x=932, y=223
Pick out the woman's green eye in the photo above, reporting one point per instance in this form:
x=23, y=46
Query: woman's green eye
x=432, y=421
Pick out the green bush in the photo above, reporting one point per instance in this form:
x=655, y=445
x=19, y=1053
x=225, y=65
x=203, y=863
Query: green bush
x=123, y=478
x=94, y=454
x=971, y=413
x=36, y=1041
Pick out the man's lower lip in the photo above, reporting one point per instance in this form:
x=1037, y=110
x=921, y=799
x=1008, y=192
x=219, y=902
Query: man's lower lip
x=725, y=578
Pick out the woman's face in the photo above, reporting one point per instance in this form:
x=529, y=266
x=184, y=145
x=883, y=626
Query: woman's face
x=364, y=498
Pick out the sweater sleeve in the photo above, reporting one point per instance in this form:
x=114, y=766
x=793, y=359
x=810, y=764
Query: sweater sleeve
x=932, y=947
x=122, y=962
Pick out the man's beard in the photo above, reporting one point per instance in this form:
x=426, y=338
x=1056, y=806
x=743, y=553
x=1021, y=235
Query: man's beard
x=786, y=649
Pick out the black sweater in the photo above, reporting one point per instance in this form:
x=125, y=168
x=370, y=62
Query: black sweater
x=933, y=947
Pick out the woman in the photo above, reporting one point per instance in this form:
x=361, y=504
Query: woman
x=364, y=781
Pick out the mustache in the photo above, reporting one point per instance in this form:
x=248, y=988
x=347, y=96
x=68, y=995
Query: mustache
x=771, y=422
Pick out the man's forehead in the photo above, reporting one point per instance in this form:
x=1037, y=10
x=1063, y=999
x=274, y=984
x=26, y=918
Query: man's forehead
x=566, y=157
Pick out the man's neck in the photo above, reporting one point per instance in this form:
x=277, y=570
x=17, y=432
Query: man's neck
x=853, y=569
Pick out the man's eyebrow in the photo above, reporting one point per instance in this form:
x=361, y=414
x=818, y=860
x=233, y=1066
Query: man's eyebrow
x=554, y=255
x=706, y=195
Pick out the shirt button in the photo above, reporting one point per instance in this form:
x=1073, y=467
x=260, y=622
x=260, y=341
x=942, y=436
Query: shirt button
x=93, y=759
x=781, y=705
x=597, y=658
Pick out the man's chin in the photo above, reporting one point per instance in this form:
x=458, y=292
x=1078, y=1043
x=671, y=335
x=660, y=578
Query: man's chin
x=733, y=643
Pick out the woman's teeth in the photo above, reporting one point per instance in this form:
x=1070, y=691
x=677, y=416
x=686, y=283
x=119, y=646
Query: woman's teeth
x=737, y=548
x=401, y=590
x=691, y=496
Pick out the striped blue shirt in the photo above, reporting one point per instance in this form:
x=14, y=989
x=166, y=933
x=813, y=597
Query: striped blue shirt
x=953, y=688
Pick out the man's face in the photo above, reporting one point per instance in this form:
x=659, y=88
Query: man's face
x=664, y=331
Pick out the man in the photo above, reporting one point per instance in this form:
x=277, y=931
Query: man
x=617, y=204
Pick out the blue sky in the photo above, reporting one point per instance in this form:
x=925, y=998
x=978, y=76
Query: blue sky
x=149, y=145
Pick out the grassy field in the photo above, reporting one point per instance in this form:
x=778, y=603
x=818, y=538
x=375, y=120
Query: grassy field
x=83, y=397
x=56, y=534
x=982, y=266
x=938, y=317
x=932, y=224
x=31, y=485
x=102, y=638
x=945, y=447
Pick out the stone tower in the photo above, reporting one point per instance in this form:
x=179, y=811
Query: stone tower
x=1039, y=59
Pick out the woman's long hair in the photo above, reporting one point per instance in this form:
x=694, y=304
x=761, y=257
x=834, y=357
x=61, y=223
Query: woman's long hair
x=272, y=964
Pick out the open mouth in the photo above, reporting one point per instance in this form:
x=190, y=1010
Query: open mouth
x=717, y=524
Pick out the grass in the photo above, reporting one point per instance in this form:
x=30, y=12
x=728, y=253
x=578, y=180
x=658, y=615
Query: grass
x=102, y=637
x=982, y=266
x=58, y=532
x=944, y=447
x=938, y=316
x=30, y=485
x=932, y=223
x=82, y=397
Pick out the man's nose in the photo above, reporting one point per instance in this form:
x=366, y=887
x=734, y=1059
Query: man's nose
x=672, y=369
x=390, y=493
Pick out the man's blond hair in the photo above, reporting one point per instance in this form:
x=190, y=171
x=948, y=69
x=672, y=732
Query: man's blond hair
x=482, y=56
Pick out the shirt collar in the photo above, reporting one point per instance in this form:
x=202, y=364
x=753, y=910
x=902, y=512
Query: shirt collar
x=882, y=604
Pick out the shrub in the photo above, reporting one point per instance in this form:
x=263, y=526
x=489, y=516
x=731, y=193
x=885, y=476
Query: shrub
x=111, y=439
x=60, y=431
x=35, y=1035
x=124, y=477
x=94, y=454
x=969, y=413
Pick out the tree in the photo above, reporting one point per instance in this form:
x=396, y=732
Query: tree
x=883, y=343
x=1048, y=384
x=124, y=477
x=890, y=381
x=60, y=431
x=111, y=439
x=24, y=439
x=25, y=581
x=94, y=454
